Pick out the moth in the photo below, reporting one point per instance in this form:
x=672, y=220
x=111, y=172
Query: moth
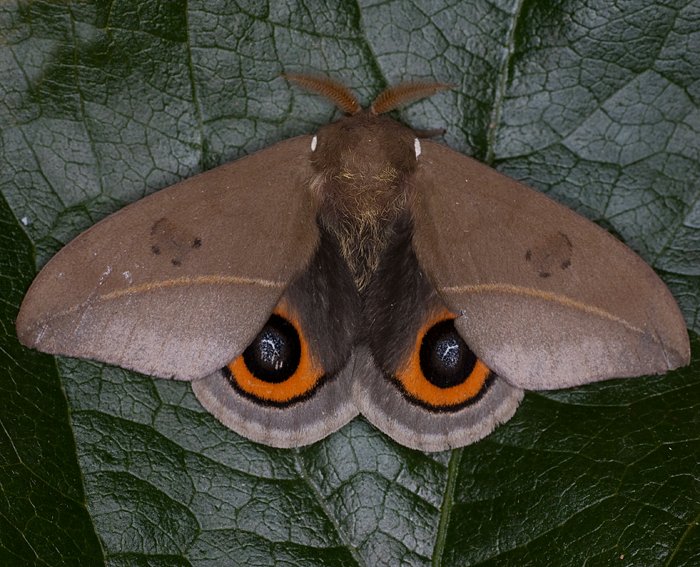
x=360, y=270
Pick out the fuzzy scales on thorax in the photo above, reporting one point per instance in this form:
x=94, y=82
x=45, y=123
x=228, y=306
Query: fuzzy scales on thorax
x=363, y=167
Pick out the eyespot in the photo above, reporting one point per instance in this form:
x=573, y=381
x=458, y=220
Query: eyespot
x=314, y=143
x=275, y=353
x=277, y=367
x=416, y=146
x=442, y=372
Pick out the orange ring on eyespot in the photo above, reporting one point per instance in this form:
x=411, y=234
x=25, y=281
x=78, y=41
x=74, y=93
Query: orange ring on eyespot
x=418, y=387
x=300, y=384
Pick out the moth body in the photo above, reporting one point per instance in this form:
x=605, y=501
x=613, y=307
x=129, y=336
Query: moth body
x=360, y=270
x=362, y=168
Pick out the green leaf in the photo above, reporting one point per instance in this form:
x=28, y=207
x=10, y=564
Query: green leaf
x=103, y=102
x=43, y=517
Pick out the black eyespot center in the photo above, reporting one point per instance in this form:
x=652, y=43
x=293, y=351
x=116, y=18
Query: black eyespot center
x=445, y=359
x=275, y=354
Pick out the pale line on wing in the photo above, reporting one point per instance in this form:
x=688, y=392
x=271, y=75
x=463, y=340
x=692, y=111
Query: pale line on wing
x=152, y=286
x=186, y=281
x=545, y=295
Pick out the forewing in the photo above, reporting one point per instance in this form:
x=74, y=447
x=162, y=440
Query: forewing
x=177, y=283
x=547, y=298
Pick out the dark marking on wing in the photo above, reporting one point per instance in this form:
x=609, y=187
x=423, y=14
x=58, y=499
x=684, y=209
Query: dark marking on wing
x=173, y=241
x=550, y=255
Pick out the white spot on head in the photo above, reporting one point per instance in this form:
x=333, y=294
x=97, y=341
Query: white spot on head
x=314, y=143
x=416, y=146
x=25, y=221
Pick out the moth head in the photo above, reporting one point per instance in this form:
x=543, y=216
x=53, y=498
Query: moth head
x=365, y=150
x=365, y=147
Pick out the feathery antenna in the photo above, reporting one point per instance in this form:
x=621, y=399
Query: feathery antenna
x=404, y=93
x=333, y=90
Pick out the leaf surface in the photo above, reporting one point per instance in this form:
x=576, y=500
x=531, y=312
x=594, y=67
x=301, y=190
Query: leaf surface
x=595, y=103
